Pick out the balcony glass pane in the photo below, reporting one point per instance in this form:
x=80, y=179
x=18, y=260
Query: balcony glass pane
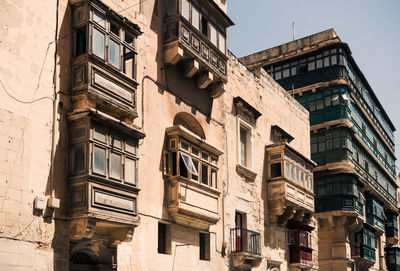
x=213, y=35
x=115, y=165
x=130, y=171
x=99, y=18
x=195, y=18
x=204, y=174
x=114, y=58
x=78, y=157
x=185, y=9
x=98, y=43
x=221, y=42
x=99, y=158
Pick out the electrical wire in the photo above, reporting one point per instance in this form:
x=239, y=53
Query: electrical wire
x=19, y=100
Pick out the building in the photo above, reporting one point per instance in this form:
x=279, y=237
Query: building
x=352, y=141
x=132, y=139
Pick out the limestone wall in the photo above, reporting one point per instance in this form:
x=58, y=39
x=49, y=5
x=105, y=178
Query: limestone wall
x=40, y=241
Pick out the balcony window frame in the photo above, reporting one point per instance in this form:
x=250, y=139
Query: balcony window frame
x=195, y=154
x=127, y=150
x=91, y=25
x=248, y=160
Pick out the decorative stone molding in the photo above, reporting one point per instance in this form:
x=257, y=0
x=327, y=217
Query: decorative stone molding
x=248, y=174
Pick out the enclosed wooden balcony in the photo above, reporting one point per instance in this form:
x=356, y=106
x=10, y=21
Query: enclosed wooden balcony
x=245, y=248
x=103, y=74
x=191, y=169
x=196, y=40
x=290, y=184
x=363, y=247
x=300, y=242
x=393, y=258
x=102, y=178
x=392, y=228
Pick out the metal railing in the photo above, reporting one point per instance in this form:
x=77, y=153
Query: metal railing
x=244, y=240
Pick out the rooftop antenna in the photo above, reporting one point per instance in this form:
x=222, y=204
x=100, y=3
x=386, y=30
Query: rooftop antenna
x=293, y=30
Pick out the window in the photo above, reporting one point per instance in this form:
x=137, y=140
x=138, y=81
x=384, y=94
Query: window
x=164, y=239
x=185, y=9
x=195, y=18
x=245, y=144
x=276, y=170
x=204, y=246
x=188, y=160
x=112, y=42
x=111, y=156
x=204, y=26
x=297, y=237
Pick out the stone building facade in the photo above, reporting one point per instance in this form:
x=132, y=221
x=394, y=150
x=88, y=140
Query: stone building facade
x=352, y=141
x=132, y=139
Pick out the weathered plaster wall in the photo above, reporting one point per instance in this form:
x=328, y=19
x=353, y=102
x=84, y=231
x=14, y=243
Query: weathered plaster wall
x=27, y=50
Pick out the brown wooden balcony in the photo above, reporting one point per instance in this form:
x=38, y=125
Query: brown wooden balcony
x=245, y=248
x=200, y=59
x=103, y=195
x=290, y=184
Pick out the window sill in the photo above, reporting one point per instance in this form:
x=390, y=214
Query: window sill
x=245, y=172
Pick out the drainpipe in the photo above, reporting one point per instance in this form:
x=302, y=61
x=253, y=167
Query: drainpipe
x=53, y=128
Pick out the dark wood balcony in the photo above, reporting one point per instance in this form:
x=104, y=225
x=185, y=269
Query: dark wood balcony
x=245, y=248
x=200, y=59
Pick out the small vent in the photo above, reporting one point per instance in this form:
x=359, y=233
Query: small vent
x=82, y=258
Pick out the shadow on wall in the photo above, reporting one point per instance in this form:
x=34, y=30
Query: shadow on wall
x=60, y=242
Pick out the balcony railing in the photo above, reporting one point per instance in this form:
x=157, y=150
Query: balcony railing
x=244, y=240
x=361, y=251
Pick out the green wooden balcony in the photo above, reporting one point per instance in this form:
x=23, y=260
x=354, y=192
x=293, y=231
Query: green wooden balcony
x=329, y=113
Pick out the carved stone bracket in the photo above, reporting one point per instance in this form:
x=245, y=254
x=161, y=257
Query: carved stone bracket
x=86, y=228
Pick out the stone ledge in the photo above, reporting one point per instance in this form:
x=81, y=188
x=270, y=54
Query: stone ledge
x=245, y=172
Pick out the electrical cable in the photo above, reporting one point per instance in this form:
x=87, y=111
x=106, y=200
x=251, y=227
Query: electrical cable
x=18, y=100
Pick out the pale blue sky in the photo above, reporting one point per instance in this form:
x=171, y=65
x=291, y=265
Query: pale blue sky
x=370, y=27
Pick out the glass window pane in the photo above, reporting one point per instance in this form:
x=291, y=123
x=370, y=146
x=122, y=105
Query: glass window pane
x=204, y=174
x=213, y=35
x=196, y=166
x=294, y=70
x=278, y=75
x=319, y=63
x=221, y=43
x=128, y=62
x=195, y=18
x=99, y=158
x=115, y=165
x=99, y=18
x=114, y=53
x=214, y=178
x=78, y=158
x=333, y=60
x=311, y=66
x=326, y=61
x=130, y=171
x=286, y=73
x=98, y=43
x=185, y=9
x=327, y=101
x=189, y=164
x=243, y=136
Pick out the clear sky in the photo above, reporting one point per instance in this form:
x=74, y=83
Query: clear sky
x=370, y=27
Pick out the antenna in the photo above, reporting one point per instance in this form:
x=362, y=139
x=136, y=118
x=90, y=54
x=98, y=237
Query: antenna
x=293, y=29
